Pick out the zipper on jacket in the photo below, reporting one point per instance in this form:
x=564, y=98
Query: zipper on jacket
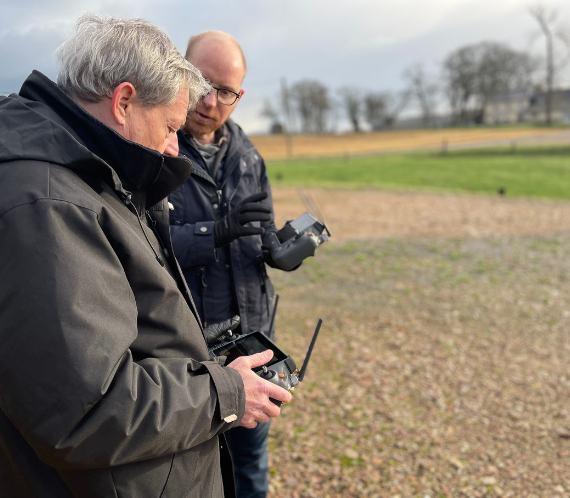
x=216, y=202
x=152, y=224
x=127, y=200
x=228, y=253
x=222, y=211
x=264, y=278
x=201, y=271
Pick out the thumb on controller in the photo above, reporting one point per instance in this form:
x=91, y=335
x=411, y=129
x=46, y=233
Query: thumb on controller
x=258, y=359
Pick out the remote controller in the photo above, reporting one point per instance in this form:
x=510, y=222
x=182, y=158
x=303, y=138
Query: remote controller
x=309, y=234
x=281, y=370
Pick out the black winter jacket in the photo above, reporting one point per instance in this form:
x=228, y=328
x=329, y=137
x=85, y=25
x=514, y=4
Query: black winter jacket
x=223, y=282
x=106, y=386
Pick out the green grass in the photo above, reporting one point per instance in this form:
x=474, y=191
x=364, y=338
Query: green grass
x=528, y=172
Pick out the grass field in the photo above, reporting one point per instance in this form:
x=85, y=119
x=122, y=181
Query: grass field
x=530, y=171
x=274, y=147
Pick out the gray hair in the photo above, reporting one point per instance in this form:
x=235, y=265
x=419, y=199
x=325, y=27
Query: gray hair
x=105, y=52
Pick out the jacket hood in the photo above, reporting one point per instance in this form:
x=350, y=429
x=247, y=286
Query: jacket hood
x=42, y=123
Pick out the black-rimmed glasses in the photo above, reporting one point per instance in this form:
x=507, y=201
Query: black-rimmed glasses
x=225, y=96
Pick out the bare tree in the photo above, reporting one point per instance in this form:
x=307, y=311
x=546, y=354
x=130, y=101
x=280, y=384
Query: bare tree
x=460, y=72
x=423, y=90
x=351, y=99
x=501, y=69
x=556, y=38
x=285, y=98
x=381, y=109
x=312, y=103
x=476, y=73
x=376, y=109
x=269, y=112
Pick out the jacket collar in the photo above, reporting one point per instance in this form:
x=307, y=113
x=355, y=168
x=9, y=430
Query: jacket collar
x=187, y=149
x=141, y=170
x=238, y=144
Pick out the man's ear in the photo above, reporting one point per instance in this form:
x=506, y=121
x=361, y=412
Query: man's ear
x=123, y=97
x=241, y=92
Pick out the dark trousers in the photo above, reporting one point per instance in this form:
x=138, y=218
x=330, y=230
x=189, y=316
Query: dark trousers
x=249, y=454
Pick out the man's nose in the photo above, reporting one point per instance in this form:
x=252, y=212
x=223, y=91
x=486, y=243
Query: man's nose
x=171, y=146
x=211, y=100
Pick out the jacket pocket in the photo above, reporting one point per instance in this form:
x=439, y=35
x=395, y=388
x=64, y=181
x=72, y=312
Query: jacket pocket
x=195, y=473
x=146, y=479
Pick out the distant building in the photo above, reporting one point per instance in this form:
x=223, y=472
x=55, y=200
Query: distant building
x=560, y=107
x=524, y=106
x=416, y=122
x=508, y=107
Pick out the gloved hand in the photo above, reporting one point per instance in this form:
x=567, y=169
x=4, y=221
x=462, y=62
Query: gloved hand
x=231, y=226
x=219, y=332
x=269, y=260
x=285, y=233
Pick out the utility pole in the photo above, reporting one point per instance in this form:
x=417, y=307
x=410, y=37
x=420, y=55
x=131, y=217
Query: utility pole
x=285, y=101
x=540, y=15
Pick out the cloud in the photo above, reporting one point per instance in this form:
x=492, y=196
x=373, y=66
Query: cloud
x=365, y=43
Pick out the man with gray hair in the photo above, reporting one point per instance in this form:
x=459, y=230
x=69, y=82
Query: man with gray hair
x=106, y=385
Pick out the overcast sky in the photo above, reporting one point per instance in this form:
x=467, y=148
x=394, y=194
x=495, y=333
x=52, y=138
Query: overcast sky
x=365, y=43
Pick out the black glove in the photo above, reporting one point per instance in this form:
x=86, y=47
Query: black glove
x=231, y=226
x=219, y=332
x=284, y=234
x=269, y=260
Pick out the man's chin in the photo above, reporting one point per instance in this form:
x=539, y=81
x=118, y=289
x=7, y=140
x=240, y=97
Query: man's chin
x=201, y=128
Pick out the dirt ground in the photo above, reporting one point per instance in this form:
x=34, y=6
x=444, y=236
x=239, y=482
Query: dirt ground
x=360, y=215
x=302, y=146
x=442, y=365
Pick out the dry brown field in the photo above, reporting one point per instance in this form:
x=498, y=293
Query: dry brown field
x=382, y=214
x=442, y=368
x=274, y=147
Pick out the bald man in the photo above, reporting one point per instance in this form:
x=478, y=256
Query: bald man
x=220, y=219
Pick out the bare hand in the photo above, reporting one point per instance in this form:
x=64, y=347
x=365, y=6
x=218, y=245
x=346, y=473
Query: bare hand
x=258, y=408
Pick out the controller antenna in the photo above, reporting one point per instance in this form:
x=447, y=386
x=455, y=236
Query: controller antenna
x=274, y=313
x=308, y=357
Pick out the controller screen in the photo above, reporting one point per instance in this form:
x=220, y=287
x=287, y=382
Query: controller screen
x=248, y=346
x=303, y=222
